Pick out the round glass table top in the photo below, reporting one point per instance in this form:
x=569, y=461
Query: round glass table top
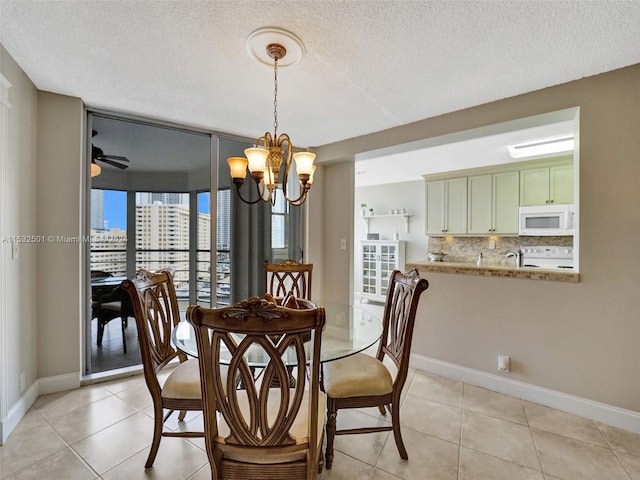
x=348, y=330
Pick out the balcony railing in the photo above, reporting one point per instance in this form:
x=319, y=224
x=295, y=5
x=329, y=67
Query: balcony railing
x=114, y=261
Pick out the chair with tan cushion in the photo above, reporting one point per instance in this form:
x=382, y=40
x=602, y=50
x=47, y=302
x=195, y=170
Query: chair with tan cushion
x=267, y=429
x=155, y=307
x=365, y=381
x=288, y=278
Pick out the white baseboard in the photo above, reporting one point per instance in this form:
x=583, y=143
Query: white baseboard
x=42, y=386
x=59, y=383
x=617, y=417
x=18, y=411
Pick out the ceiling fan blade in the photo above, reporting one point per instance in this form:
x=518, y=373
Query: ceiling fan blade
x=96, y=151
x=115, y=157
x=112, y=162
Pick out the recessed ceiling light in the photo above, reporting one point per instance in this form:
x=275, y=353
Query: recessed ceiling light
x=544, y=146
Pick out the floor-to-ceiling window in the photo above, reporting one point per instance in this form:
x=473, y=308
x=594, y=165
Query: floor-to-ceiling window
x=149, y=208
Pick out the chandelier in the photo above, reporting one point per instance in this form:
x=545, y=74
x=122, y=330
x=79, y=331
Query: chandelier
x=271, y=159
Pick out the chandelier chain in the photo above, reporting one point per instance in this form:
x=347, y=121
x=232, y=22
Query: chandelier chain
x=275, y=98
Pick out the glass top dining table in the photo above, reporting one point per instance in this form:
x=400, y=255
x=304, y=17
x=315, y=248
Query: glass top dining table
x=348, y=330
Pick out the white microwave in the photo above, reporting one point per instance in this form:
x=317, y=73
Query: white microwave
x=546, y=220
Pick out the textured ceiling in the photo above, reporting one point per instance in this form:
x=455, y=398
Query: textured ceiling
x=369, y=65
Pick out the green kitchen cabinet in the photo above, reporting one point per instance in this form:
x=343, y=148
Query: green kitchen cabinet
x=546, y=185
x=493, y=201
x=446, y=206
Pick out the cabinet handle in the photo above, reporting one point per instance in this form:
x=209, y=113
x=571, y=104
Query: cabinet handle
x=550, y=201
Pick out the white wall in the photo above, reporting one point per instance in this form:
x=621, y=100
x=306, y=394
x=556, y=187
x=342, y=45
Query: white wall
x=382, y=198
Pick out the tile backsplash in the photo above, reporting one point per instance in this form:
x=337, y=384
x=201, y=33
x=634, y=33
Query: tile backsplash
x=467, y=249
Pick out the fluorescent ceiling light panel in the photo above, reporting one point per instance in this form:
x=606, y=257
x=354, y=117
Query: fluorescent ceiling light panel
x=544, y=146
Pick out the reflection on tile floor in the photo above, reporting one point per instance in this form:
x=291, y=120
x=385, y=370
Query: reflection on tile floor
x=452, y=431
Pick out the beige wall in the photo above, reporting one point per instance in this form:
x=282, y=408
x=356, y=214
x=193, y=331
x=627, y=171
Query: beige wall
x=18, y=211
x=580, y=339
x=332, y=205
x=60, y=183
x=42, y=191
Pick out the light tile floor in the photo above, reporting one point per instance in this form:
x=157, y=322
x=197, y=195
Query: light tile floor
x=453, y=431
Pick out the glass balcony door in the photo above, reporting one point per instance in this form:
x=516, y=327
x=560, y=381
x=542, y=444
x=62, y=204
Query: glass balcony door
x=149, y=208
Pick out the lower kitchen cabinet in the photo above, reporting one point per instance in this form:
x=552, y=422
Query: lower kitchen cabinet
x=378, y=259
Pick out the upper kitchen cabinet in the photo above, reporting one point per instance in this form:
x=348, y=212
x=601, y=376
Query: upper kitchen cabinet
x=547, y=184
x=493, y=204
x=446, y=206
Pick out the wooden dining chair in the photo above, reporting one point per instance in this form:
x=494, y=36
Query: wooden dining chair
x=288, y=277
x=266, y=429
x=155, y=306
x=366, y=381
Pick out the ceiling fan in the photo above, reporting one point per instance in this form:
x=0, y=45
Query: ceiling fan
x=98, y=155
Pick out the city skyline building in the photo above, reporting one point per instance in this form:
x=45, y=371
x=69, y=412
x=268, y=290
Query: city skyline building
x=161, y=239
x=223, y=225
x=167, y=198
x=97, y=209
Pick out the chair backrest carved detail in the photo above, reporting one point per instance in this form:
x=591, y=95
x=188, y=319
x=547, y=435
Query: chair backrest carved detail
x=260, y=414
x=288, y=276
x=399, y=316
x=155, y=306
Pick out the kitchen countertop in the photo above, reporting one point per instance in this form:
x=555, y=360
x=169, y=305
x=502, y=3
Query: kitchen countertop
x=488, y=270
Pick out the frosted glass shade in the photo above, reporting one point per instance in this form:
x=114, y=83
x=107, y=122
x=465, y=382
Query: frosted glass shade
x=304, y=162
x=310, y=181
x=238, y=167
x=268, y=178
x=257, y=158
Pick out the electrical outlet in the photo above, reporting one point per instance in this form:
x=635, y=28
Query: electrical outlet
x=503, y=363
x=343, y=244
x=492, y=244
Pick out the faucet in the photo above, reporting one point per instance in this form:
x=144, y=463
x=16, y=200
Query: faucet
x=517, y=255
